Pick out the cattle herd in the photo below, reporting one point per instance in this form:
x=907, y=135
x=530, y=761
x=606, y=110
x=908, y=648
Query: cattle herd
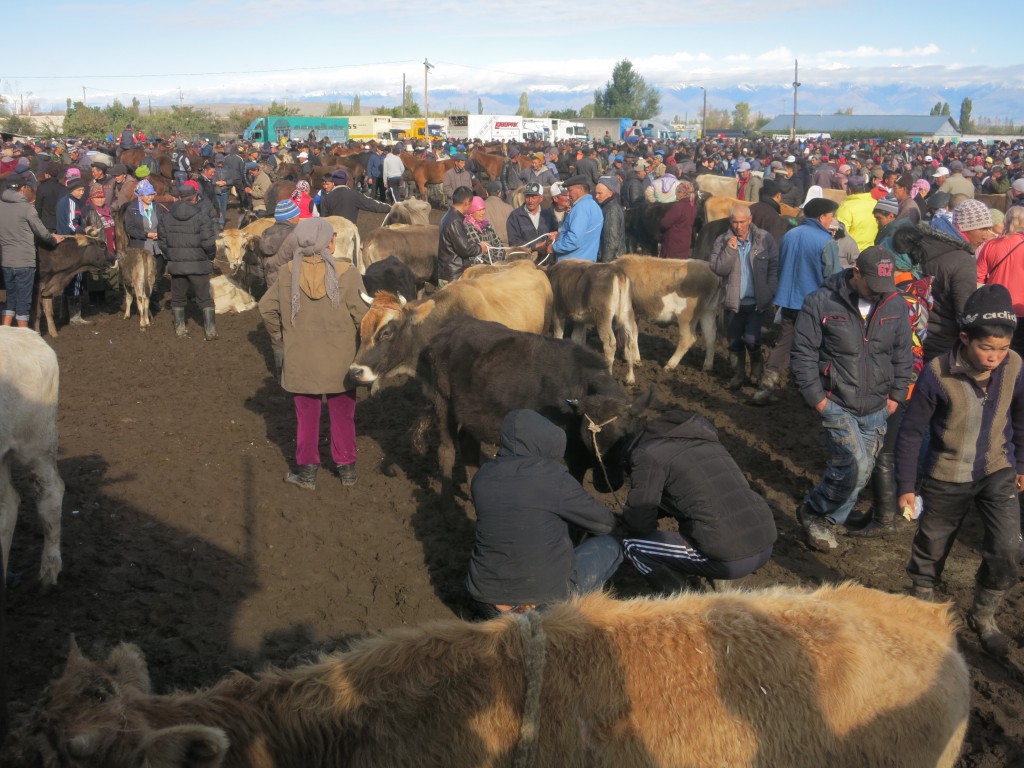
x=841, y=675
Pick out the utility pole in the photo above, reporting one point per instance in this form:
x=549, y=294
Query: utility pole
x=403, y=94
x=84, y=102
x=181, y=97
x=150, y=106
x=427, y=66
x=796, y=86
x=704, y=115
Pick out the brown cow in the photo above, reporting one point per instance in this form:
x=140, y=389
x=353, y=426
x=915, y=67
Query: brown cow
x=586, y=293
x=137, y=270
x=57, y=267
x=411, y=211
x=844, y=677
x=716, y=208
x=712, y=185
x=416, y=246
x=684, y=291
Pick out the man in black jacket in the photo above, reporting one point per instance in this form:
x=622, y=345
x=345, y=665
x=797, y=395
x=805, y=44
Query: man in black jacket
x=529, y=221
x=613, y=233
x=678, y=468
x=342, y=200
x=50, y=190
x=188, y=239
x=455, y=249
x=852, y=361
x=525, y=501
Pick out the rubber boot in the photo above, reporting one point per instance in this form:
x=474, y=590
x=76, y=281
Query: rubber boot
x=765, y=394
x=178, y=318
x=8, y=320
x=669, y=581
x=883, y=481
x=923, y=593
x=75, y=311
x=347, y=473
x=756, y=366
x=305, y=477
x=209, y=324
x=982, y=619
x=738, y=361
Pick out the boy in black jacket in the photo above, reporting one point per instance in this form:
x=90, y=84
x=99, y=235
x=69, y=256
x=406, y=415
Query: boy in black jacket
x=525, y=502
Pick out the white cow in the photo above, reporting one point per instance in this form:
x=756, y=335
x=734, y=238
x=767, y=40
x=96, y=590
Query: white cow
x=229, y=295
x=29, y=381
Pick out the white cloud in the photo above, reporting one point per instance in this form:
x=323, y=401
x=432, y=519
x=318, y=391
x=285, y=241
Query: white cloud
x=870, y=52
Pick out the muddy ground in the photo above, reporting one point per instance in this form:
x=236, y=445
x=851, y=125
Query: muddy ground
x=180, y=536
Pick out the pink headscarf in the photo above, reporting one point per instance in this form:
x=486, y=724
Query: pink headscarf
x=921, y=185
x=71, y=174
x=477, y=204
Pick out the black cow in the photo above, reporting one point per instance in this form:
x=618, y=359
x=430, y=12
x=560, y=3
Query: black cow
x=58, y=266
x=643, y=227
x=705, y=241
x=391, y=275
x=476, y=372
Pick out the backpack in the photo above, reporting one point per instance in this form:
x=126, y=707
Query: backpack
x=918, y=295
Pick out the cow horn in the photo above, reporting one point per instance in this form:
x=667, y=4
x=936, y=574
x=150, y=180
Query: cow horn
x=365, y=298
x=401, y=300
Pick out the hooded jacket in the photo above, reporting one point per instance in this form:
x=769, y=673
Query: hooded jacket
x=679, y=468
x=808, y=255
x=19, y=228
x=613, y=232
x=857, y=364
x=525, y=501
x=188, y=239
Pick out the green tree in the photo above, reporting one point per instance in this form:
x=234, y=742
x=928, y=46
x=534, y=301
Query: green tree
x=336, y=109
x=564, y=114
x=741, y=116
x=89, y=122
x=281, y=110
x=945, y=112
x=356, y=106
x=627, y=94
x=847, y=111
x=965, y=115
x=936, y=110
x=412, y=109
x=186, y=119
x=524, y=106
x=479, y=106
x=718, y=119
x=20, y=125
x=760, y=121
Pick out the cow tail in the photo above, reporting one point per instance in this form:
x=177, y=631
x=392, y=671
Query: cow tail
x=626, y=316
x=357, y=251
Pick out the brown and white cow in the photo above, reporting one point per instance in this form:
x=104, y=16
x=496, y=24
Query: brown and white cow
x=844, y=677
x=586, y=293
x=684, y=291
x=233, y=244
x=57, y=267
x=29, y=384
x=518, y=296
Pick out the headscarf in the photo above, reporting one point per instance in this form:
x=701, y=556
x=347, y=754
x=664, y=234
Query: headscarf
x=71, y=174
x=312, y=241
x=144, y=187
x=300, y=187
x=813, y=193
x=686, y=187
x=477, y=204
x=920, y=186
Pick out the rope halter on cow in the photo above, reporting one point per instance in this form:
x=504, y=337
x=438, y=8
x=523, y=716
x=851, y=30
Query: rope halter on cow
x=595, y=428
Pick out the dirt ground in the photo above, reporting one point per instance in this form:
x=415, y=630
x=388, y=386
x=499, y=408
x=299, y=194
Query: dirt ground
x=180, y=536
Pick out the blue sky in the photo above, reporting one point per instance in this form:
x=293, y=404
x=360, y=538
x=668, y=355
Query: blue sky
x=873, y=56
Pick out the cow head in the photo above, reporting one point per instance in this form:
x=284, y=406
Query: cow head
x=231, y=244
x=91, y=718
x=412, y=212
x=608, y=427
x=389, y=342
x=92, y=253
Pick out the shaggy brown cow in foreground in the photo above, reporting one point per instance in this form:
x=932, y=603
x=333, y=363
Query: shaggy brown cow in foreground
x=844, y=677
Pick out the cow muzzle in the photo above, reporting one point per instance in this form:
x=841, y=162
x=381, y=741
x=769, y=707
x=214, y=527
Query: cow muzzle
x=362, y=374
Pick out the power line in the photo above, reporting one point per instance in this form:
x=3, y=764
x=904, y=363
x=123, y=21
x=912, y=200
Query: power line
x=207, y=74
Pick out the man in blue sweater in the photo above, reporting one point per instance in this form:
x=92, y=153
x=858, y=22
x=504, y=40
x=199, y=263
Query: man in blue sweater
x=580, y=235
x=807, y=257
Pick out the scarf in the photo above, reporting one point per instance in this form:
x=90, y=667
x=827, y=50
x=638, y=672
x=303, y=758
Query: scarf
x=108, y=225
x=316, y=276
x=477, y=225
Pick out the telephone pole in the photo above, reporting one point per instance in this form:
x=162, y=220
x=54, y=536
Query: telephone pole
x=403, y=94
x=427, y=66
x=796, y=86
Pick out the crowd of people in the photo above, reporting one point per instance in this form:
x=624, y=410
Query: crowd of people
x=893, y=272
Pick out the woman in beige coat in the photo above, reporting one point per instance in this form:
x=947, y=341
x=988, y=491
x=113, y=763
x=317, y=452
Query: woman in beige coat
x=312, y=313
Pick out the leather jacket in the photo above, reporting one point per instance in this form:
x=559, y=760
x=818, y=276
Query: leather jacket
x=454, y=247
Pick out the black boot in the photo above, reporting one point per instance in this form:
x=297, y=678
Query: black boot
x=738, y=361
x=756, y=366
x=924, y=593
x=883, y=481
x=765, y=394
x=178, y=318
x=75, y=311
x=982, y=619
x=669, y=581
x=305, y=477
x=209, y=323
x=347, y=473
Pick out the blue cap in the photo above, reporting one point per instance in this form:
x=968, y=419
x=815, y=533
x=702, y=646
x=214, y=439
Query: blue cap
x=286, y=210
x=252, y=166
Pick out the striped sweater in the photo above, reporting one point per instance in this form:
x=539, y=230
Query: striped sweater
x=974, y=432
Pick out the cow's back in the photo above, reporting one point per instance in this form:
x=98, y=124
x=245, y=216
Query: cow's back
x=517, y=295
x=660, y=287
x=29, y=384
x=416, y=245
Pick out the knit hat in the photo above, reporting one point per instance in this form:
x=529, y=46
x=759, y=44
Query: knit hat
x=888, y=204
x=286, y=210
x=144, y=187
x=989, y=305
x=970, y=215
x=878, y=268
x=142, y=172
x=612, y=183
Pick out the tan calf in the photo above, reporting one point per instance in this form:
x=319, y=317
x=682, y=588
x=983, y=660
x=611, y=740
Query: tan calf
x=137, y=269
x=843, y=677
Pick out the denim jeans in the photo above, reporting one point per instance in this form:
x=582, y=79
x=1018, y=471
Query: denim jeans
x=743, y=328
x=19, y=282
x=851, y=444
x=597, y=559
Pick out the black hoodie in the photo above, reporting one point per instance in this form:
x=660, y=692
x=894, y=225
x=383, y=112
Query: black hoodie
x=679, y=468
x=524, y=501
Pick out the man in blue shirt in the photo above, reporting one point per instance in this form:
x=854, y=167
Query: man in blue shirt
x=580, y=235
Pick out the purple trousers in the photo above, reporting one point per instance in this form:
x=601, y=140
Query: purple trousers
x=341, y=407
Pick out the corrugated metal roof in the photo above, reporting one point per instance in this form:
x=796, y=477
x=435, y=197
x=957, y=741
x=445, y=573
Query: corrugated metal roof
x=914, y=124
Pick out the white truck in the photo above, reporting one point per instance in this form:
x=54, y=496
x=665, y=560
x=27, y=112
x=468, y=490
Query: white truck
x=485, y=127
x=367, y=127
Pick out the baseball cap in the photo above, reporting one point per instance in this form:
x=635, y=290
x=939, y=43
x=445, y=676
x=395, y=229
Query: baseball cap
x=878, y=268
x=557, y=189
x=533, y=188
